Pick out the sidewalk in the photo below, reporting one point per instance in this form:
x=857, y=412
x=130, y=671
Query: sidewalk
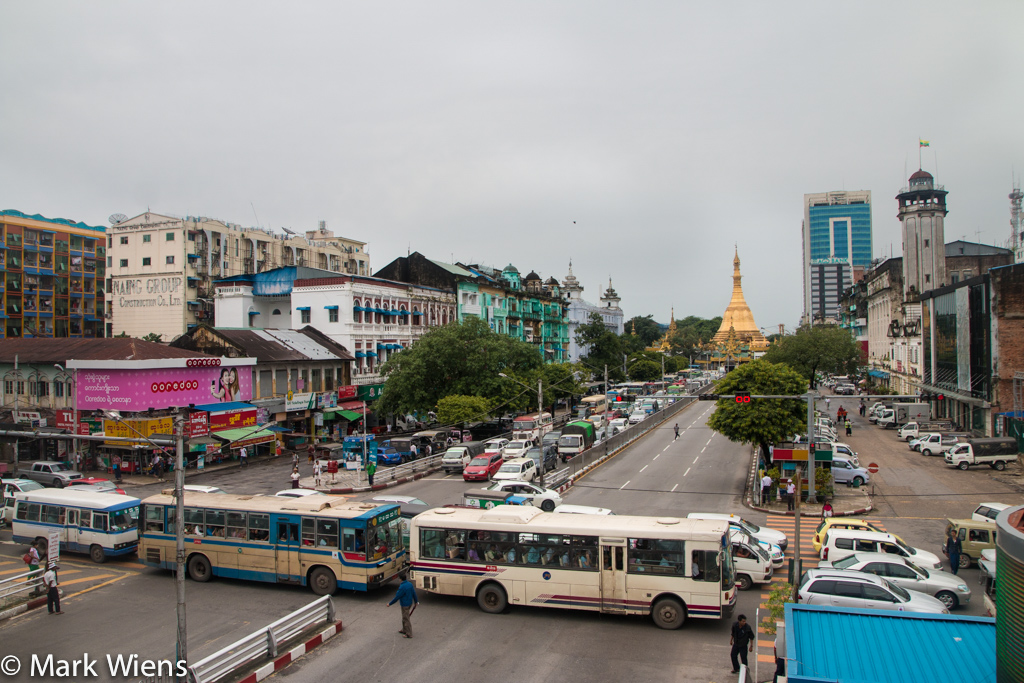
x=168, y=476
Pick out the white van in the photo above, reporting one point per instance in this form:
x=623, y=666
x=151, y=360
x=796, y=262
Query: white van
x=838, y=543
x=516, y=469
x=753, y=564
x=761, y=533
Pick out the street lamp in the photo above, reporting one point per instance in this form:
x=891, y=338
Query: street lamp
x=179, y=521
x=540, y=409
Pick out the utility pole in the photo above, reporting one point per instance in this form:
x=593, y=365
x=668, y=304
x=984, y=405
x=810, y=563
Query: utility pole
x=606, y=382
x=811, y=495
x=179, y=536
x=796, y=541
x=540, y=409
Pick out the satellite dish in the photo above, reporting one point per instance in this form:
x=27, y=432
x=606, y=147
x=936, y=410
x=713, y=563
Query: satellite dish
x=116, y=218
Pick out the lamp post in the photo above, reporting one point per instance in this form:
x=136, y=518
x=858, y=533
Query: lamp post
x=540, y=409
x=179, y=522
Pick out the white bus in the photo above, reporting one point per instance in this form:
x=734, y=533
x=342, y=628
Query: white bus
x=531, y=427
x=668, y=568
x=100, y=524
x=324, y=542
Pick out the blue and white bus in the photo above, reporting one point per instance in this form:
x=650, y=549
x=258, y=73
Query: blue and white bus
x=100, y=524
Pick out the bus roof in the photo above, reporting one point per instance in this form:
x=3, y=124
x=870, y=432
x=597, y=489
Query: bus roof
x=534, y=520
x=85, y=499
x=343, y=509
x=532, y=416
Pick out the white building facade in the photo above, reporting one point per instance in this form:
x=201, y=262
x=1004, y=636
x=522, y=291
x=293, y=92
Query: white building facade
x=579, y=312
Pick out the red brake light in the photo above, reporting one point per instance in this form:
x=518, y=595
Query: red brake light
x=826, y=554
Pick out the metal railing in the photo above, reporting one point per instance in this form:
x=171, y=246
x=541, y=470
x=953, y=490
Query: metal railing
x=12, y=588
x=262, y=644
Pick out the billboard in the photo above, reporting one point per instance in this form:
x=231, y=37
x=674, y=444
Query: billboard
x=159, y=388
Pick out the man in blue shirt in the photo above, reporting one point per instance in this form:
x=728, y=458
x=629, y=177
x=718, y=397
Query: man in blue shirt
x=406, y=597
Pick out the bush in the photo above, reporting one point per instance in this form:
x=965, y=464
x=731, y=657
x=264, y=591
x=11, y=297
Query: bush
x=780, y=594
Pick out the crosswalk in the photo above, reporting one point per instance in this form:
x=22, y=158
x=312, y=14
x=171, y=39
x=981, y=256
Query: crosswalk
x=77, y=576
x=809, y=559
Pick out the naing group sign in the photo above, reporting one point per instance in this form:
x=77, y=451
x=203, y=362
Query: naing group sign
x=160, y=388
x=145, y=292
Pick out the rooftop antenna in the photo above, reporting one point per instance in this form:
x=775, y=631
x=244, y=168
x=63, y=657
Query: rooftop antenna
x=254, y=214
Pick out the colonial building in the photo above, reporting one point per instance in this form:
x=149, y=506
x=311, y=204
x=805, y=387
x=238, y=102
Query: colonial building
x=580, y=310
x=53, y=277
x=162, y=268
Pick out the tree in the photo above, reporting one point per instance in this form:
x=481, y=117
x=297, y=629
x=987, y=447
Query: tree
x=459, y=358
x=153, y=337
x=460, y=409
x=672, y=364
x=645, y=371
x=647, y=331
x=762, y=421
x=822, y=348
x=604, y=347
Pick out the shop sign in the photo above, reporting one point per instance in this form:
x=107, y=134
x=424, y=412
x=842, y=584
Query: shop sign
x=66, y=420
x=296, y=402
x=262, y=416
x=328, y=399
x=232, y=419
x=198, y=424
x=160, y=388
x=346, y=392
x=368, y=392
x=28, y=417
x=318, y=419
x=136, y=429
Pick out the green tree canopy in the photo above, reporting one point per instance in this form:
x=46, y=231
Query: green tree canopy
x=647, y=331
x=459, y=409
x=459, y=358
x=603, y=346
x=822, y=348
x=645, y=371
x=762, y=421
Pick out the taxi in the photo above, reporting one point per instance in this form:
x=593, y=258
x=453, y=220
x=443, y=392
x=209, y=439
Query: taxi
x=842, y=523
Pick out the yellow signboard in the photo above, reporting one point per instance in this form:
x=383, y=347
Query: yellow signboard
x=134, y=428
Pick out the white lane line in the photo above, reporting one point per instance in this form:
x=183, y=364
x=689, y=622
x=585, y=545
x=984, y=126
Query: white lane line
x=665, y=448
x=703, y=449
x=696, y=459
x=656, y=457
x=708, y=443
x=624, y=486
x=643, y=468
x=684, y=474
x=674, y=488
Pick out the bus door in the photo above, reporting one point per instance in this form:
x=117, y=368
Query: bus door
x=70, y=531
x=286, y=538
x=613, y=575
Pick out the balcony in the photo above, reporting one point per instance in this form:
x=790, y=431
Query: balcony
x=471, y=309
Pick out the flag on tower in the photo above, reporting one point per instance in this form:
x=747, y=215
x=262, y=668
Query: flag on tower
x=923, y=143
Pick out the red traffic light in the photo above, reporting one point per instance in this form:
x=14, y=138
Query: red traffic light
x=743, y=397
x=940, y=397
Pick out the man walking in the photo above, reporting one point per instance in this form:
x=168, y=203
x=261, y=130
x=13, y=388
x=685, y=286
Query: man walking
x=371, y=469
x=243, y=457
x=766, y=487
x=953, y=549
x=677, y=431
x=52, y=592
x=406, y=597
x=742, y=641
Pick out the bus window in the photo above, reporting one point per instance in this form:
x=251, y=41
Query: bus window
x=194, y=522
x=236, y=525
x=123, y=520
x=655, y=556
x=704, y=566
x=72, y=517
x=455, y=545
x=432, y=543
x=99, y=521
x=259, y=526
x=154, y=518
x=326, y=533
x=215, y=523
x=33, y=512
x=584, y=552
x=54, y=514
x=85, y=519
x=308, y=531
x=348, y=540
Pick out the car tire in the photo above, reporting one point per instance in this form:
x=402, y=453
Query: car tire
x=744, y=582
x=668, y=613
x=948, y=599
x=199, y=569
x=925, y=451
x=547, y=505
x=963, y=466
x=999, y=465
x=58, y=483
x=492, y=598
x=858, y=482
x=323, y=582
x=97, y=554
x=965, y=561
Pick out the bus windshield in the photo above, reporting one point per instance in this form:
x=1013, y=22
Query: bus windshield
x=524, y=424
x=385, y=539
x=122, y=520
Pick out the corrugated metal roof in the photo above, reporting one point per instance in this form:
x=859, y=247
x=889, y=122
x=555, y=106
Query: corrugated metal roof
x=271, y=346
x=881, y=646
x=451, y=268
x=303, y=344
x=113, y=348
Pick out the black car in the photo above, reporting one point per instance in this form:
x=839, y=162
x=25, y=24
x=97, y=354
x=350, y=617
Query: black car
x=550, y=456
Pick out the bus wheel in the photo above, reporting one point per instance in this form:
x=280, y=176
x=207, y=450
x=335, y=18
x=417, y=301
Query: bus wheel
x=492, y=599
x=322, y=581
x=744, y=582
x=668, y=614
x=96, y=554
x=199, y=568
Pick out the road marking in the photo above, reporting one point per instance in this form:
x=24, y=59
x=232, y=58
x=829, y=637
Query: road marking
x=703, y=449
x=643, y=468
x=97, y=586
x=684, y=474
x=87, y=578
x=665, y=448
x=656, y=457
x=709, y=442
x=624, y=486
x=674, y=487
x=696, y=459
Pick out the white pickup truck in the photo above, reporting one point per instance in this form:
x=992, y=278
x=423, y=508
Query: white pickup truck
x=935, y=443
x=914, y=430
x=995, y=453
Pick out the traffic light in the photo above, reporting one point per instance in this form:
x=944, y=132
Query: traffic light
x=928, y=396
x=707, y=397
x=743, y=397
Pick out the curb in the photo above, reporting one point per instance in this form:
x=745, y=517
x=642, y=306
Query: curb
x=748, y=500
x=292, y=655
x=24, y=607
x=381, y=487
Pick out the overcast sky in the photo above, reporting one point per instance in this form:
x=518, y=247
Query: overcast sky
x=641, y=140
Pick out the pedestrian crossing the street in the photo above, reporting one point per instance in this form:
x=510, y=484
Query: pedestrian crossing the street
x=809, y=559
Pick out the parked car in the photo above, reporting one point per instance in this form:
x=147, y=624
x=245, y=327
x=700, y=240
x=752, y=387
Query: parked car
x=987, y=512
x=845, y=472
x=948, y=588
x=483, y=467
x=843, y=588
x=49, y=473
x=844, y=450
x=386, y=455
x=20, y=485
x=974, y=537
x=517, y=469
x=546, y=499
x=838, y=543
x=761, y=533
x=549, y=455
x=841, y=523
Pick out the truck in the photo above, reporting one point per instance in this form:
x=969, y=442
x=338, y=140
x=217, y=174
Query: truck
x=994, y=452
x=902, y=413
x=50, y=473
x=576, y=437
x=935, y=443
x=914, y=430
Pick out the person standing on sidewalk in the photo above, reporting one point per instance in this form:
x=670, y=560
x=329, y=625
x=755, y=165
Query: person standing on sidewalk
x=371, y=469
x=766, y=488
x=406, y=597
x=317, y=469
x=52, y=592
x=953, y=549
x=295, y=477
x=790, y=495
x=243, y=457
x=742, y=641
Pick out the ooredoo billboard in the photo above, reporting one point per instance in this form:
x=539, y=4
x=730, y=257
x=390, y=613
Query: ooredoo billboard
x=158, y=388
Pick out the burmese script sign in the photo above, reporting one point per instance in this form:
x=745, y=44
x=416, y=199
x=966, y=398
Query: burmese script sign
x=150, y=291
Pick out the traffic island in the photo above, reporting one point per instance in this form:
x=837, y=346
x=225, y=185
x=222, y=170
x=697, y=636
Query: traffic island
x=847, y=501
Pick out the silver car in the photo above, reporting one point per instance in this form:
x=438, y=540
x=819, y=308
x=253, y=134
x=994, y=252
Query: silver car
x=948, y=588
x=845, y=588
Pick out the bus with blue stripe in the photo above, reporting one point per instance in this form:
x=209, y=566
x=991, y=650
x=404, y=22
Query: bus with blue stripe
x=324, y=542
x=667, y=568
x=100, y=524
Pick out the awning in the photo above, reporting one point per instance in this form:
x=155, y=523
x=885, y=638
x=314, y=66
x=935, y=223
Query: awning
x=416, y=313
x=254, y=312
x=277, y=429
x=360, y=354
x=403, y=312
x=204, y=441
x=302, y=308
x=225, y=407
x=237, y=438
x=879, y=374
x=331, y=308
x=371, y=353
x=351, y=405
x=349, y=415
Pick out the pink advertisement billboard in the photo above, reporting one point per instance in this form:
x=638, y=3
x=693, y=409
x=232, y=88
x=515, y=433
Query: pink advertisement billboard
x=158, y=388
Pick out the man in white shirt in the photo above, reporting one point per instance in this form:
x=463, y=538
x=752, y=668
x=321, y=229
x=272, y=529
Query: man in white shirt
x=243, y=457
x=790, y=494
x=766, y=487
x=52, y=592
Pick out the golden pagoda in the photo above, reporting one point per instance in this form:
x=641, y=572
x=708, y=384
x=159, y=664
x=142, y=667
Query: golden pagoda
x=664, y=345
x=738, y=324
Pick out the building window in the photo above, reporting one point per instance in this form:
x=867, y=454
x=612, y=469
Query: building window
x=954, y=277
x=304, y=315
x=147, y=261
x=277, y=311
x=124, y=239
x=44, y=389
x=170, y=259
x=124, y=263
x=146, y=239
x=968, y=273
x=332, y=315
x=110, y=241
x=926, y=244
x=169, y=237
x=110, y=262
x=58, y=389
x=8, y=386
x=927, y=278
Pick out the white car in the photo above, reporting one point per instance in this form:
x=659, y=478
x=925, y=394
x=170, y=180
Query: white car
x=495, y=445
x=617, y=425
x=516, y=449
x=546, y=499
x=637, y=416
x=516, y=469
x=298, y=493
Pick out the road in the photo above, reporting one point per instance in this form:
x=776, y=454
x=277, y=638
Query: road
x=132, y=611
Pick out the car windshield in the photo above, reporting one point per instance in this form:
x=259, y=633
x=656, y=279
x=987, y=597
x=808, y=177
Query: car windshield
x=513, y=469
x=912, y=551
x=900, y=592
x=480, y=461
x=750, y=527
x=516, y=445
x=568, y=440
x=846, y=562
x=60, y=467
